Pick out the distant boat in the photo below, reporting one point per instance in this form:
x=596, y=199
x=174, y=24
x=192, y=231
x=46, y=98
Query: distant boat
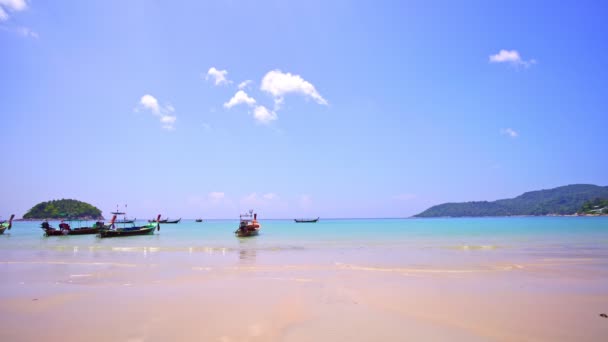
x=306, y=220
x=124, y=219
x=112, y=231
x=248, y=225
x=199, y=220
x=6, y=225
x=166, y=221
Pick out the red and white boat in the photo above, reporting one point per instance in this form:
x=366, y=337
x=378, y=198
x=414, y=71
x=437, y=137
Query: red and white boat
x=248, y=225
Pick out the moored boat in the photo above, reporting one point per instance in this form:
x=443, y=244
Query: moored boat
x=124, y=219
x=6, y=225
x=66, y=229
x=113, y=231
x=198, y=220
x=166, y=221
x=248, y=225
x=306, y=220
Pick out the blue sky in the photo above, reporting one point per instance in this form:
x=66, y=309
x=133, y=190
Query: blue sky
x=352, y=109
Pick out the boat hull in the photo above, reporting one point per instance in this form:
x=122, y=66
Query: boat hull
x=306, y=220
x=105, y=233
x=246, y=233
x=56, y=232
x=2, y=229
x=165, y=221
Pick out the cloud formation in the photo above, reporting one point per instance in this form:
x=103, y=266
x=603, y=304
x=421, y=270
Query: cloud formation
x=244, y=84
x=509, y=132
x=218, y=76
x=7, y=6
x=263, y=115
x=278, y=84
x=238, y=98
x=164, y=113
x=511, y=57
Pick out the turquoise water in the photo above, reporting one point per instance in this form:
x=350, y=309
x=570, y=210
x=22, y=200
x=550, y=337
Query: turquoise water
x=386, y=240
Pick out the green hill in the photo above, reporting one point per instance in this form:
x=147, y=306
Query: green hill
x=64, y=208
x=564, y=200
x=596, y=206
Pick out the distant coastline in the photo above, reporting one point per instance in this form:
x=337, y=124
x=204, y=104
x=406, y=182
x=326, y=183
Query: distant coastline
x=569, y=200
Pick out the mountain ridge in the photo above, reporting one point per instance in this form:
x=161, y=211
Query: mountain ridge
x=563, y=200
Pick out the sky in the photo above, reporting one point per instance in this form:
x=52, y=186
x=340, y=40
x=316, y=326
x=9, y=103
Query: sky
x=340, y=109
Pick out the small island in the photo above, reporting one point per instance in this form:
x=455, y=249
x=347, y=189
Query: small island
x=575, y=199
x=63, y=209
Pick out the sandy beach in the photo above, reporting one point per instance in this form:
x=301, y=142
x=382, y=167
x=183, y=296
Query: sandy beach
x=233, y=296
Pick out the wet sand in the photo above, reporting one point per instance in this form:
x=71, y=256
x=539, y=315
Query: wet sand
x=180, y=297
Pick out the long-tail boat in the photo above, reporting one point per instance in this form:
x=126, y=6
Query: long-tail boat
x=124, y=219
x=198, y=220
x=248, y=225
x=66, y=229
x=166, y=221
x=306, y=220
x=6, y=225
x=113, y=231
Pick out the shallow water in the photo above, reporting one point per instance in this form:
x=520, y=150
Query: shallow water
x=385, y=241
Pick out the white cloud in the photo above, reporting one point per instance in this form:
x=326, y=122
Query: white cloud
x=7, y=6
x=164, y=113
x=238, y=98
x=218, y=76
x=244, y=84
x=276, y=83
x=509, y=132
x=263, y=115
x=151, y=103
x=279, y=84
x=512, y=57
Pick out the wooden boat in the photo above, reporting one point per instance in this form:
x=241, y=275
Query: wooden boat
x=306, y=220
x=124, y=219
x=66, y=229
x=113, y=231
x=199, y=220
x=166, y=221
x=6, y=225
x=248, y=225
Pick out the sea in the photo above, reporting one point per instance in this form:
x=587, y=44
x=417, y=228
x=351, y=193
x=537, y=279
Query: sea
x=452, y=243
